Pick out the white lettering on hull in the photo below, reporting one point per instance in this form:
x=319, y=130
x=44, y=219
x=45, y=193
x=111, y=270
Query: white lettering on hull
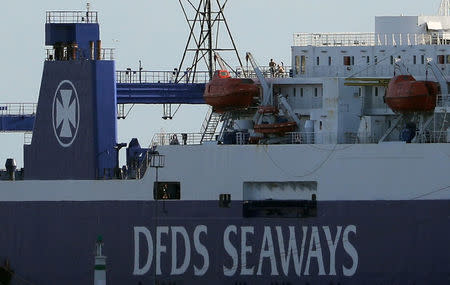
x=247, y=251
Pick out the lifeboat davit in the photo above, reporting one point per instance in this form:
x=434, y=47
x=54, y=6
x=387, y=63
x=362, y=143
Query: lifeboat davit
x=406, y=94
x=277, y=128
x=224, y=93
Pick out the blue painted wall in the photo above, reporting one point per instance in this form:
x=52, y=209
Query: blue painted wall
x=16, y=123
x=92, y=130
x=160, y=93
x=81, y=33
x=106, y=115
x=393, y=242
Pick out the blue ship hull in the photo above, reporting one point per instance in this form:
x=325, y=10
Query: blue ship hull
x=358, y=242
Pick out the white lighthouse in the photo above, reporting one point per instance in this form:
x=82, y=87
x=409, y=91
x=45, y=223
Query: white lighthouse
x=100, y=263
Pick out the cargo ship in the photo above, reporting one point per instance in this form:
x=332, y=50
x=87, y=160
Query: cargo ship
x=324, y=178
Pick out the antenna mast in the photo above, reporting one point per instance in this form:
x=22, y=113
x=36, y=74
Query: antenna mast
x=444, y=8
x=207, y=23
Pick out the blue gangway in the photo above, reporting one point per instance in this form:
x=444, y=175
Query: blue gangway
x=133, y=87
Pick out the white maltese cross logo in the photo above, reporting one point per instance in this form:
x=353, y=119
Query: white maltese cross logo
x=66, y=113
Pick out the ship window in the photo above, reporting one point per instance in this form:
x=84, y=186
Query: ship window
x=303, y=64
x=280, y=199
x=224, y=200
x=422, y=59
x=166, y=191
x=318, y=60
x=415, y=59
x=297, y=64
x=376, y=91
x=329, y=60
x=301, y=92
x=440, y=59
x=349, y=60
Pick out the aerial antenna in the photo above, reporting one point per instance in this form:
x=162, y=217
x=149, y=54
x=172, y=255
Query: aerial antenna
x=207, y=22
x=444, y=8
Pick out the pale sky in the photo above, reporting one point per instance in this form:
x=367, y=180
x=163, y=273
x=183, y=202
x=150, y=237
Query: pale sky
x=155, y=32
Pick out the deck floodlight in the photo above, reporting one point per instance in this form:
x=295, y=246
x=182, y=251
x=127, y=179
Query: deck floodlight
x=157, y=160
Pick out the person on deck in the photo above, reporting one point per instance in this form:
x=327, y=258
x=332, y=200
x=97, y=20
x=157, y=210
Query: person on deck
x=272, y=66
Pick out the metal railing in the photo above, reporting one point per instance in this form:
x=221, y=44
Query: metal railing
x=162, y=139
x=69, y=17
x=311, y=137
x=105, y=54
x=433, y=137
x=266, y=70
x=334, y=39
x=443, y=100
x=133, y=76
x=369, y=39
x=17, y=109
x=242, y=138
x=383, y=69
x=27, y=138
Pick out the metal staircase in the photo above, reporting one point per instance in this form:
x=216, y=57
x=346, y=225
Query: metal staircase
x=209, y=126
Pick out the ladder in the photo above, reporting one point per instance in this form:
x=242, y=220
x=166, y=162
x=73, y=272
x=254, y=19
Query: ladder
x=209, y=125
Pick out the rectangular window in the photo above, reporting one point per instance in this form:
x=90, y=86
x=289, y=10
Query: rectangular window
x=368, y=59
x=347, y=60
x=303, y=64
x=166, y=191
x=392, y=59
x=297, y=64
x=280, y=199
x=316, y=92
x=447, y=59
x=376, y=59
x=441, y=59
x=295, y=91
x=376, y=91
x=301, y=92
x=422, y=59
x=415, y=59
x=318, y=60
x=329, y=60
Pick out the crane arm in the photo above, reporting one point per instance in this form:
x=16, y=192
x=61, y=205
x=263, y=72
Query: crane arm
x=266, y=87
x=220, y=61
x=439, y=76
x=258, y=72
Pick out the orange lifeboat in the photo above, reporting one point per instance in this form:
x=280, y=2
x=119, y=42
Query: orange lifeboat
x=406, y=94
x=224, y=93
x=277, y=128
